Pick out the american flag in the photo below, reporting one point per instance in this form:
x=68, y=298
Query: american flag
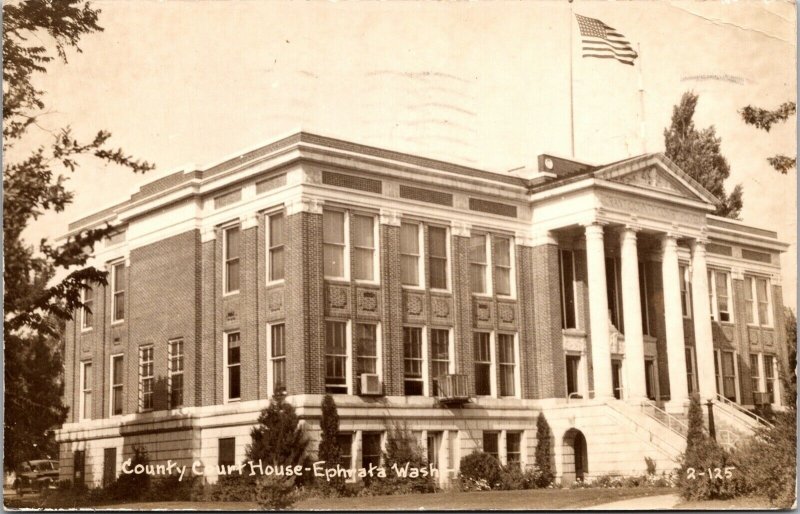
x=604, y=42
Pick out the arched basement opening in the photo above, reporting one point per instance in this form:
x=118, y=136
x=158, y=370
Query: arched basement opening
x=575, y=457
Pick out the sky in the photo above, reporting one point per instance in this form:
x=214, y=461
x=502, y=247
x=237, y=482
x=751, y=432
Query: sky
x=485, y=84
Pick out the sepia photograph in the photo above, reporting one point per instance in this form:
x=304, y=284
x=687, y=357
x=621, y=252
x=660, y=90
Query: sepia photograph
x=399, y=256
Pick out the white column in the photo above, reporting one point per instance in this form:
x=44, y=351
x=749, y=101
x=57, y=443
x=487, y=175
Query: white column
x=632, y=307
x=701, y=313
x=598, y=311
x=673, y=317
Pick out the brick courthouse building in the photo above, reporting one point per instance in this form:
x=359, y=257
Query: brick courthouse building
x=461, y=301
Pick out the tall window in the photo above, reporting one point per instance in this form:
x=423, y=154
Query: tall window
x=644, y=298
x=231, y=251
x=278, y=356
x=88, y=305
x=86, y=390
x=412, y=361
x=507, y=362
x=176, y=373
x=336, y=357
x=483, y=364
x=478, y=263
x=437, y=257
x=434, y=441
x=718, y=295
x=728, y=375
x=116, y=384
x=366, y=348
x=690, y=375
x=440, y=356
x=333, y=239
x=755, y=373
x=614, y=290
x=686, y=303
x=345, y=443
x=491, y=444
x=409, y=254
x=566, y=268
x=364, y=247
x=233, y=366
x=370, y=449
x=756, y=299
x=514, y=449
x=501, y=260
x=227, y=451
x=769, y=377
x=146, y=378
x=276, y=246
x=118, y=299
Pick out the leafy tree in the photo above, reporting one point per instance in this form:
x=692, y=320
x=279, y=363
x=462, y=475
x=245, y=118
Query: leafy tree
x=35, y=33
x=697, y=152
x=696, y=432
x=790, y=375
x=278, y=439
x=764, y=120
x=543, y=457
x=329, y=450
x=34, y=385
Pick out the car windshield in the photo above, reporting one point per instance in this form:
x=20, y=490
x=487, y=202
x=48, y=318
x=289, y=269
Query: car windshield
x=42, y=466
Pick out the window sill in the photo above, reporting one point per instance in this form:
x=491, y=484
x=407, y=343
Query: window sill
x=86, y=330
x=506, y=297
x=230, y=293
x=413, y=288
x=232, y=400
x=117, y=322
x=278, y=282
x=340, y=280
x=765, y=327
x=436, y=290
x=363, y=282
x=485, y=296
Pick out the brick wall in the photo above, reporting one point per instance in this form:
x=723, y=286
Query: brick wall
x=163, y=302
x=527, y=322
x=392, y=313
x=462, y=304
x=550, y=367
x=304, y=300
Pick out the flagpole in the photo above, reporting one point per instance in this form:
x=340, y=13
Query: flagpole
x=642, y=134
x=571, y=96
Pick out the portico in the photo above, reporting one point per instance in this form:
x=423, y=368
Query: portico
x=633, y=224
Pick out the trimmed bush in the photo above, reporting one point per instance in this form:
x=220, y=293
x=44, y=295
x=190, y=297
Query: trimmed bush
x=768, y=461
x=274, y=492
x=402, y=449
x=544, y=462
x=329, y=450
x=233, y=488
x=480, y=468
x=704, y=455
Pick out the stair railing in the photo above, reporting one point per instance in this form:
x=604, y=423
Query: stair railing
x=673, y=423
x=744, y=411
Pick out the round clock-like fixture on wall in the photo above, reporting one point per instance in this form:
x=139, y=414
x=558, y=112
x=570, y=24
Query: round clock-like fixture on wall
x=548, y=163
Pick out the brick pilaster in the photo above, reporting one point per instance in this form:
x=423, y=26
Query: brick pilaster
x=392, y=309
x=462, y=304
x=549, y=348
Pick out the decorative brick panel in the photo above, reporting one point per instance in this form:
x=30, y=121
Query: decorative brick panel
x=426, y=195
x=501, y=209
x=262, y=186
x=351, y=182
x=756, y=256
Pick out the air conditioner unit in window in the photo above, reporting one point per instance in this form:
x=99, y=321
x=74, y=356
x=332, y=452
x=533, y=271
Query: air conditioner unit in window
x=371, y=384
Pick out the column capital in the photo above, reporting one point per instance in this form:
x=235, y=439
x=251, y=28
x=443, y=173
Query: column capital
x=699, y=244
x=669, y=241
x=390, y=217
x=460, y=229
x=304, y=204
x=593, y=229
x=249, y=220
x=208, y=234
x=628, y=233
x=544, y=237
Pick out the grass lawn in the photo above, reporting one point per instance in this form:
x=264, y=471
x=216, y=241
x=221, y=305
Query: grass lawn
x=547, y=499
x=734, y=504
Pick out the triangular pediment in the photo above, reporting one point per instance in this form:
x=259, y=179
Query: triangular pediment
x=655, y=172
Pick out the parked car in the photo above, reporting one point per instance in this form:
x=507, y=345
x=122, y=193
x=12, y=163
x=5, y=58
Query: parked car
x=35, y=475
